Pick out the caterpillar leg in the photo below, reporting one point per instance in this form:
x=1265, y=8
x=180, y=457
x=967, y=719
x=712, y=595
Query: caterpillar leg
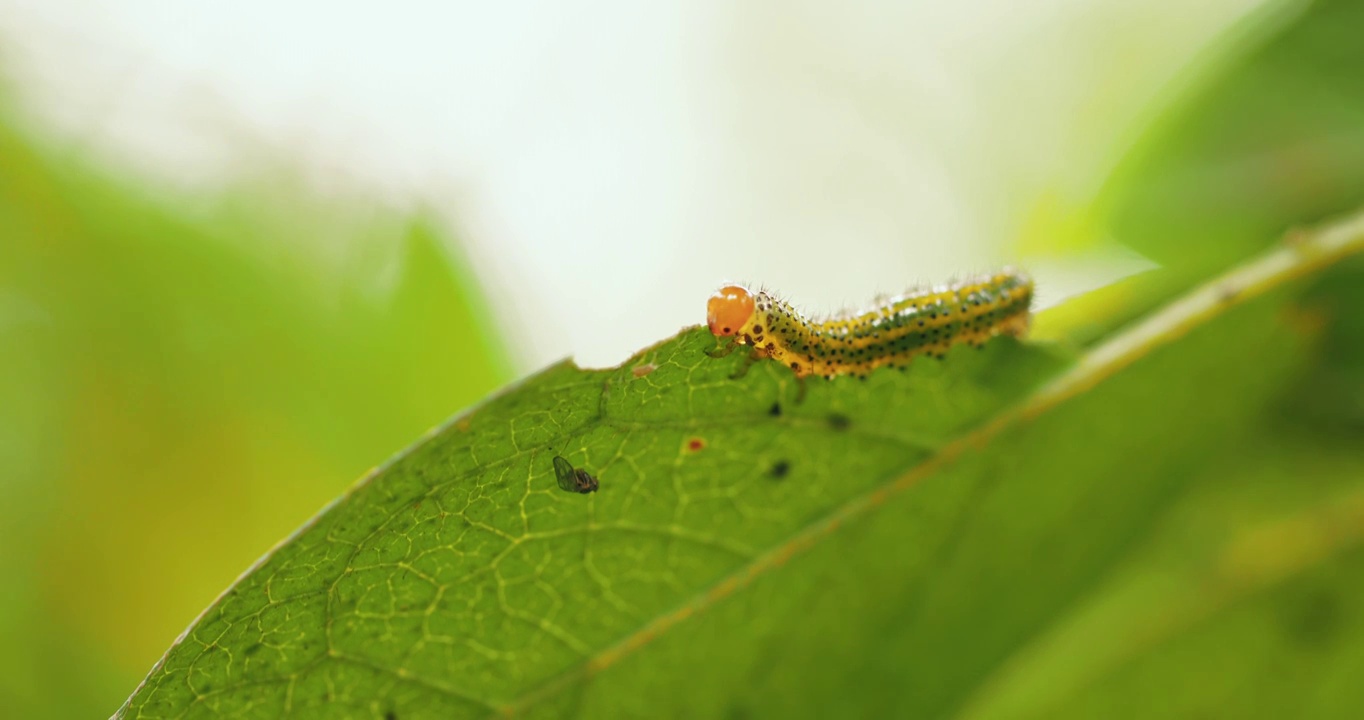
x=754, y=356
x=800, y=389
x=723, y=350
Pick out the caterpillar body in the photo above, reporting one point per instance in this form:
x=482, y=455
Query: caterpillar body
x=890, y=334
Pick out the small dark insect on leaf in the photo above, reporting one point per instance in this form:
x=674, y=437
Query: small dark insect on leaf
x=573, y=479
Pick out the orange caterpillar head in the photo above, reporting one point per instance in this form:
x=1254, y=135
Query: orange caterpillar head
x=729, y=310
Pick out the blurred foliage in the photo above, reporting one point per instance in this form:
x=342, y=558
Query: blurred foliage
x=1272, y=139
x=1267, y=136
x=182, y=379
x=1263, y=134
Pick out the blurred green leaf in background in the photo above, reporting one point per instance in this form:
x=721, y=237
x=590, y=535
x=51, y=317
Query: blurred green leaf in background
x=1268, y=132
x=182, y=379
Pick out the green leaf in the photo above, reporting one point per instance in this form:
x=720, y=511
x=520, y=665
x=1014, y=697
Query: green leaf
x=1010, y=532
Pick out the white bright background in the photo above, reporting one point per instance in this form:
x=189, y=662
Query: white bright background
x=609, y=163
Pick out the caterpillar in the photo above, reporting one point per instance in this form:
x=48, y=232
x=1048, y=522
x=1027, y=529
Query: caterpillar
x=894, y=332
